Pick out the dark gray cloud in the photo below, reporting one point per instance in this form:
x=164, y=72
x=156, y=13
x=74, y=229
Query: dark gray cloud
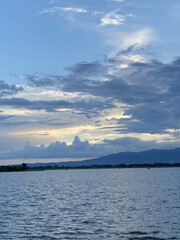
x=87, y=107
x=151, y=90
x=45, y=81
x=6, y=89
x=135, y=144
x=130, y=49
x=85, y=69
x=144, y=82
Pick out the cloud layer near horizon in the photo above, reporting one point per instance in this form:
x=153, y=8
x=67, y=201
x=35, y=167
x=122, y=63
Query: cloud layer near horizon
x=82, y=149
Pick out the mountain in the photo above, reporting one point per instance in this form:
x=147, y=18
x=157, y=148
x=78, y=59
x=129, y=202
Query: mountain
x=151, y=156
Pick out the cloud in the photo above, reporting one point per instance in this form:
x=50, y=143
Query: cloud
x=85, y=69
x=122, y=40
x=118, y=0
x=5, y=117
x=87, y=107
x=135, y=144
x=63, y=9
x=98, y=13
x=140, y=38
x=55, y=150
x=6, y=89
x=83, y=149
x=113, y=18
x=150, y=90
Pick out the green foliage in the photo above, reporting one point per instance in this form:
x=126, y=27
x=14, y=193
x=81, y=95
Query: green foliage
x=15, y=168
x=23, y=167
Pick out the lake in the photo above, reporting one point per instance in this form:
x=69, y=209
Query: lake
x=133, y=204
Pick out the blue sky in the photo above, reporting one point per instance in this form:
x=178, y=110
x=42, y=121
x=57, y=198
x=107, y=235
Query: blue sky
x=105, y=71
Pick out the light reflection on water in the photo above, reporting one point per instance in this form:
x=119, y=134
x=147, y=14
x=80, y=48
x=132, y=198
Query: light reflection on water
x=90, y=204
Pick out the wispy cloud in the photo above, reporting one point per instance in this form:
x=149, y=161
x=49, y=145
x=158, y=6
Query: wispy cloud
x=142, y=37
x=121, y=40
x=113, y=18
x=52, y=1
x=98, y=12
x=90, y=107
x=63, y=9
x=118, y=0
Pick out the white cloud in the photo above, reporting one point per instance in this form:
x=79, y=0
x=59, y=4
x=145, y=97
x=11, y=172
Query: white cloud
x=63, y=9
x=142, y=37
x=77, y=10
x=123, y=40
x=113, y=18
x=135, y=58
x=123, y=65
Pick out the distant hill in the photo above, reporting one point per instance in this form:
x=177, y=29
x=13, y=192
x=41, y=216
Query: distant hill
x=151, y=156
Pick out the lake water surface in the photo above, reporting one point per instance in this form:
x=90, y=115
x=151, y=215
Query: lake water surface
x=133, y=204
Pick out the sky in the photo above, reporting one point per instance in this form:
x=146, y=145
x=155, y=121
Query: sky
x=81, y=79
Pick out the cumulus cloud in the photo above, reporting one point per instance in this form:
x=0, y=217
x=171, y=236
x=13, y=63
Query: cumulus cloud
x=57, y=149
x=83, y=149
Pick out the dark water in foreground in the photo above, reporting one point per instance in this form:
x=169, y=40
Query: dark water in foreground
x=133, y=204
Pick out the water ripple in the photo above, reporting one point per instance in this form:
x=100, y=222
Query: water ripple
x=128, y=204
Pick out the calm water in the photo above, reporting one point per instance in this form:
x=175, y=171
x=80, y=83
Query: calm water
x=90, y=204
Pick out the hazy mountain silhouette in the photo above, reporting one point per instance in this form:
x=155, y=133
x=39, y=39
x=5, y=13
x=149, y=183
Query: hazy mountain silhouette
x=151, y=156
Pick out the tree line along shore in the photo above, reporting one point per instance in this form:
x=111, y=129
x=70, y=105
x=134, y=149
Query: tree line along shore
x=25, y=167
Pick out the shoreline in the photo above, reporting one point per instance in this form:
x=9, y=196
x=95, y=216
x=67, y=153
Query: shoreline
x=25, y=168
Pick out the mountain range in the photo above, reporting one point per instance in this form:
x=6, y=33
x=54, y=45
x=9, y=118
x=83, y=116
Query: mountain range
x=150, y=156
